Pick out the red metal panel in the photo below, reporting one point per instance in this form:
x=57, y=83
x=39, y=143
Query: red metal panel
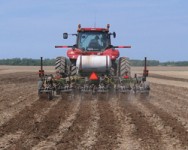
x=93, y=29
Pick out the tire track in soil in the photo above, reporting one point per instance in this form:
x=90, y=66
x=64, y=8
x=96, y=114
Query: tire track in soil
x=89, y=138
x=24, y=121
x=177, y=110
x=15, y=98
x=45, y=111
x=174, y=92
x=9, y=113
x=126, y=139
x=177, y=105
x=19, y=122
x=8, y=139
x=180, y=91
x=6, y=98
x=56, y=137
x=145, y=133
x=41, y=130
x=18, y=77
x=108, y=131
x=74, y=134
x=178, y=130
x=169, y=141
x=158, y=76
x=172, y=100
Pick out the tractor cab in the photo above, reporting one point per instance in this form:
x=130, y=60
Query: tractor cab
x=93, y=41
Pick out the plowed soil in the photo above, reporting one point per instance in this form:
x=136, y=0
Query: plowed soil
x=158, y=121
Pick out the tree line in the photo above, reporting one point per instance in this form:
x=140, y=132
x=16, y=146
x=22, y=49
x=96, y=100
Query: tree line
x=135, y=62
x=51, y=62
x=26, y=62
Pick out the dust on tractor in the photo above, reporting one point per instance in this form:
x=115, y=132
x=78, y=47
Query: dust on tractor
x=93, y=67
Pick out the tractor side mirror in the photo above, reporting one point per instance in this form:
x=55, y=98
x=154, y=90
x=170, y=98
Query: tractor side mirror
x=65, y=35
x=114, y=34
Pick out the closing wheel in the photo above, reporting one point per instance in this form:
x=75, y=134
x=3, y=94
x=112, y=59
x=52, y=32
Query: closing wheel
x=39, y=94
x=40, y=84
x=50, y=95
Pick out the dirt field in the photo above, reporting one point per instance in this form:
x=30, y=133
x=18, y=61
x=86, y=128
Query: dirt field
x=128, y=122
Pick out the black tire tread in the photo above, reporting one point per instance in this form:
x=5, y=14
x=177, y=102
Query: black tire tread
x=124, y=66
x=60, y=65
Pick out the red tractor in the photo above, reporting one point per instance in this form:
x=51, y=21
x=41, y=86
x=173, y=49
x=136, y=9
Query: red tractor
x=92, y=67
x=93, y=52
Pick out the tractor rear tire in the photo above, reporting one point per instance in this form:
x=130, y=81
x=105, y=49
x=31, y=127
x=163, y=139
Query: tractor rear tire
x=124, y=67
x=61, y=66
x=113, y=69
x=73, y=70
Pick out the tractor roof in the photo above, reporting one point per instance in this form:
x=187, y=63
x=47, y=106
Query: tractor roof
x=93, y=29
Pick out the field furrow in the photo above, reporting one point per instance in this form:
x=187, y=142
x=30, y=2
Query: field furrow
x=177, y=129
x=158, y=121
x=126, y=139
x=73, y=136
x=90, y=136
x=38, y=131
x=108, y=131
x=144, y=132
x=7, y=140
x=168, y=141
x=10, y=112
x=52, y=140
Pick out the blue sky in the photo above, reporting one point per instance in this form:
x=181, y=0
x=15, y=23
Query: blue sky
x=157, y=29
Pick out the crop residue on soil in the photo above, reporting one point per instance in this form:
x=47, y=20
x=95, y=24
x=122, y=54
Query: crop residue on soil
x=157, y=121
